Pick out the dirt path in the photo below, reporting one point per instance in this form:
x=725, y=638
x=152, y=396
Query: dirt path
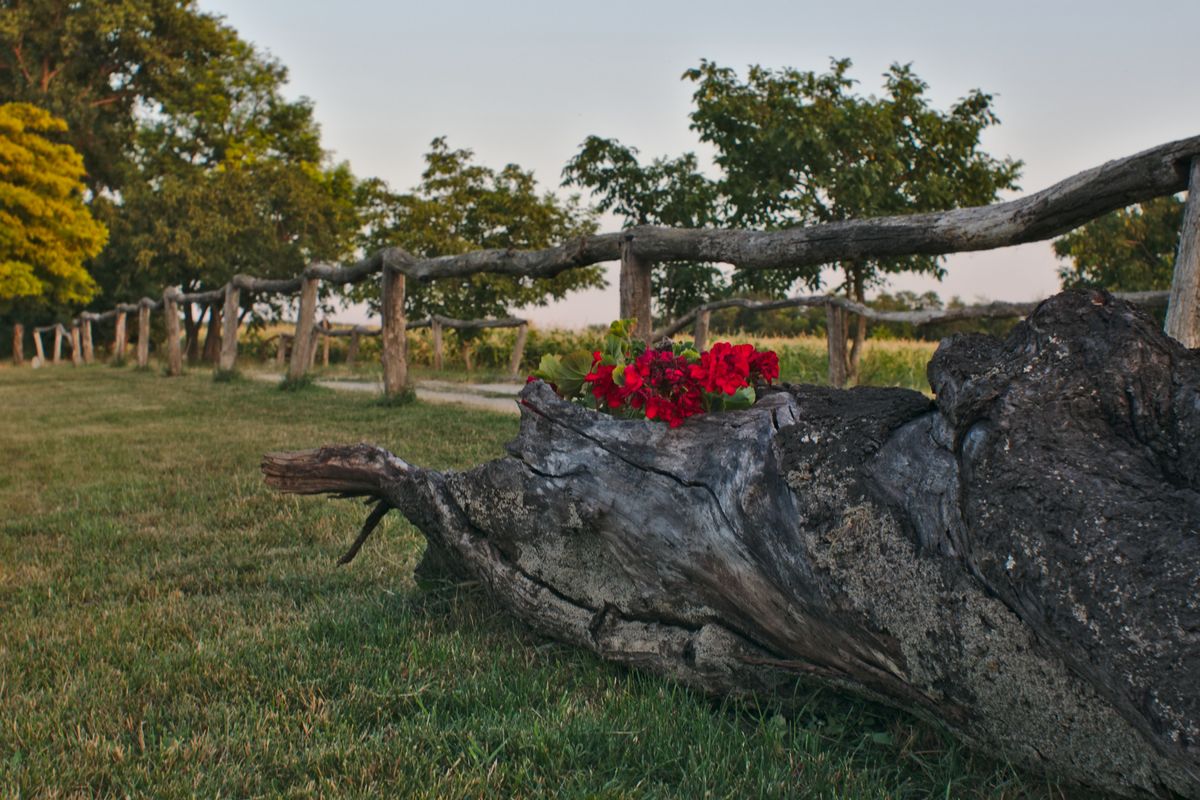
x=472, y=395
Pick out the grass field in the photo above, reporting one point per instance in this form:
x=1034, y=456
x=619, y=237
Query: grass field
x=802, y=359
x=169, y=628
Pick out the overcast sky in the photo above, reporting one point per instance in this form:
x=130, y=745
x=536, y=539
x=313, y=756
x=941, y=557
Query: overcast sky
x=525, y=81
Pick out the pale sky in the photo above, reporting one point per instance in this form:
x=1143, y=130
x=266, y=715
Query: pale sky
x=525, y=81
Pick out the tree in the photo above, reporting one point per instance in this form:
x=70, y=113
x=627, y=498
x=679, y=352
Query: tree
x=1131, y=250
x=46, y=232
x=229, y=177
x=664, y=192
x=196, y=162
x=799, y=148
x=461, y=206
x=101, y=64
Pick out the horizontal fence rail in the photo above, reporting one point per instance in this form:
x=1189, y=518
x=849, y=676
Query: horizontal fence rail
x=1162, y=170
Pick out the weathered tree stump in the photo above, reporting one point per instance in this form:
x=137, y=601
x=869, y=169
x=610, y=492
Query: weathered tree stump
x=1018, y=560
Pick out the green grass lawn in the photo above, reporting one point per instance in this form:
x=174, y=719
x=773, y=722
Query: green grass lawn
x=170, y=628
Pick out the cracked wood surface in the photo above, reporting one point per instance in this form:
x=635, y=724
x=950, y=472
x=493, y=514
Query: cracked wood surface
x=1018, y=560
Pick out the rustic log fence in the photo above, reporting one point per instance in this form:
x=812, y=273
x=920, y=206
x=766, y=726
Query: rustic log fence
x=836, y=307
x=1162, y=170
x=437, y=323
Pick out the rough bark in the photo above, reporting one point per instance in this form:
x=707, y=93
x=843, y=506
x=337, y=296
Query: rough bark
x=436, y=327
x=211, y=352
x=192, y=326
x=18, y=347
x=302, y=342
x=143, y=341
x=120, y=338
x=39, y=358
x=518, y=351
x=395, y=343
x=281, y=349
x=635, y=289
x=1018, y=560
x=835, y=340
x=85, y=340
x=700, y=333
x=325, y=328
x=76, y=346
x=1183, y=311
x=229, y=329
x=171, y=317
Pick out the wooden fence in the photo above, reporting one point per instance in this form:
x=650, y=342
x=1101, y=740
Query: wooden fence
x=437, y=323
x=1162, y=170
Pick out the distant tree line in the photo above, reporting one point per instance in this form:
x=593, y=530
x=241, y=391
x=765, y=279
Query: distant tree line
x=175, y=159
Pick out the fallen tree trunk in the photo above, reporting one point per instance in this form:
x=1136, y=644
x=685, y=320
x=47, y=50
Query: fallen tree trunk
x=1018, y=560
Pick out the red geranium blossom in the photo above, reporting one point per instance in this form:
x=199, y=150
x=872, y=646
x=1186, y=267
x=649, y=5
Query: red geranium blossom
x=671, y=387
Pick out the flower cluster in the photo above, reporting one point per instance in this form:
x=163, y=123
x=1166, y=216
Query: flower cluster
x=668, y=383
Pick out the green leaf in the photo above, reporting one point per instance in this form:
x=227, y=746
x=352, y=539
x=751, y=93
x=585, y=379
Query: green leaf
x=568, y=372
x=742, y=398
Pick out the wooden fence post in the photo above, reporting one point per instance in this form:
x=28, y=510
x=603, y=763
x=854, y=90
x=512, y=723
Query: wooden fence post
x=1183, y=308
x=85, y=333
x=229, y=328
x=325, y=337
x=120, y=339
x=76, y=345
x=143, y=342
x=836, y=339
x=39, y=359
x=58, y=337
x=635, y=289
x=395, y=359
x=281, y=349
x=701, y=334
x=18, y=344
x=302, y=342
x=518, y=351
x=312, y=347
x=174, y=349
x=435, y=325
x=352, y=351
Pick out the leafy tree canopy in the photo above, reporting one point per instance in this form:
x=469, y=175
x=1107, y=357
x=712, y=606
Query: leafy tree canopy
x=460, y=206
x=1131, y=250
x=100, y=64
x=797, y=148
x=664, y=192
x=197, y=163
x=46, y=231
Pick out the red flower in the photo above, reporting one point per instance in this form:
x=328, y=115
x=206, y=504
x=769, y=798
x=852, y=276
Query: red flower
x=765, y=364
x=724, y=367
x=669, y=387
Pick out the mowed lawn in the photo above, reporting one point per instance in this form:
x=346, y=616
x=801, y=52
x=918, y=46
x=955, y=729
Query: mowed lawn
x=171, y=628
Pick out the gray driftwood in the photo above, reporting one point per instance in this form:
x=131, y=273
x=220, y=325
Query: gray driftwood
x=1018, y=560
